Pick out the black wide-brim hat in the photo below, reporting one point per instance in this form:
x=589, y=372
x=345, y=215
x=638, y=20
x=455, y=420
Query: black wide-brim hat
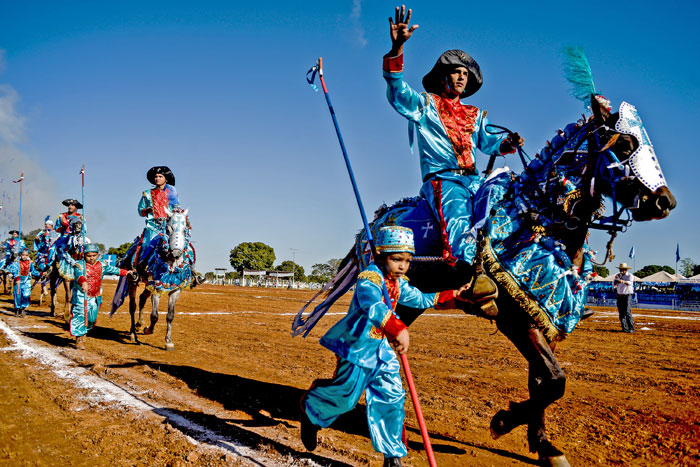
x=433, y=82
x=13, y=232
x=75, y=202
x=160, y=169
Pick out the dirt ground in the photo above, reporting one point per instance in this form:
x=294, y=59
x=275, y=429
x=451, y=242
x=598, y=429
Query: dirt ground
x=229, y=392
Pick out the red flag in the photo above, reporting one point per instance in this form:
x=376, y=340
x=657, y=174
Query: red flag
x=21, y=177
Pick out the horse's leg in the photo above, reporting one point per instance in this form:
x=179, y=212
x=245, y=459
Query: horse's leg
x=133, y=287
x=52, y=291
x=546, y=384
x=66, y=309
x=172, y=299
x=155, y=299
x=142, y=303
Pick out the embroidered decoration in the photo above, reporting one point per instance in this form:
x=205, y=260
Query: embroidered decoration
x=371, y=276
x=643, y=161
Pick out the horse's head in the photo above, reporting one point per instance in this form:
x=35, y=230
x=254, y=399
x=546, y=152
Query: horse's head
x=625, y=165
x=177, y=232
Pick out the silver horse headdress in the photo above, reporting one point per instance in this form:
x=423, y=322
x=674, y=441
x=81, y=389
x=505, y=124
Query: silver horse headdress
x=643, y=161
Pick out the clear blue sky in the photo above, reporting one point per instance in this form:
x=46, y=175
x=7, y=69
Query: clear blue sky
x=216, y=91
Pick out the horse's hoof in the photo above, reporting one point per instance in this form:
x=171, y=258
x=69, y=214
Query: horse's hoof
x=138, y=325
x=498, y=425
x=554, y=461
x=148, y=331
x=169, y=346
x=488, y=309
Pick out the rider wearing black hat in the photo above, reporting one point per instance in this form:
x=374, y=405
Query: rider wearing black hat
x=63, y=220
x=449, y=133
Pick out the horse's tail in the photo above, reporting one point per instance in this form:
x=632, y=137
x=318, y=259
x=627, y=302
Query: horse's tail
x=336, y=288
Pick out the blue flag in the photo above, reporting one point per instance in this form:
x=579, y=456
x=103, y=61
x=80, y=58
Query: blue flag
x=632, y=252
x=678, y=253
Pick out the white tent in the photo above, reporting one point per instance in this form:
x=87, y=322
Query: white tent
x=611, y=277
x=663, y=276
x=696, y=277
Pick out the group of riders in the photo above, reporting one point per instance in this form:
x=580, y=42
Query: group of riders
x=62, y=246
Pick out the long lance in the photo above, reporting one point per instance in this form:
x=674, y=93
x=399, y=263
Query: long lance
x=20, y=181
x=85, y=303
x=318, y=68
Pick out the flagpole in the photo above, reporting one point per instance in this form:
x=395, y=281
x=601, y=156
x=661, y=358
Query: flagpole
x=21, y=180
x=85, y=303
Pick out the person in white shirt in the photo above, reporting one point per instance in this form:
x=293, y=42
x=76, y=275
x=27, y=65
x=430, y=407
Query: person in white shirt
x=624, y=283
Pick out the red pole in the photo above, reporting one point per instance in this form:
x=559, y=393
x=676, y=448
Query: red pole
x=419, y=412
x=85, y=303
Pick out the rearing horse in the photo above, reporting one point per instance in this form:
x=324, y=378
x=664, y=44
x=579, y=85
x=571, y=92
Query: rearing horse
x=165, y=265
x=532, y=235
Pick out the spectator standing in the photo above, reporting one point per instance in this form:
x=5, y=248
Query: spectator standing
x=624, y=285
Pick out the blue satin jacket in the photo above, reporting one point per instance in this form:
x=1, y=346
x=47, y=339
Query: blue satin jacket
x=439, y=149
x=360, y=337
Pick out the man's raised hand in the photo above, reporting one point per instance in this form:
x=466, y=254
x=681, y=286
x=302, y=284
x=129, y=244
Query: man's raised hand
x=400, y=29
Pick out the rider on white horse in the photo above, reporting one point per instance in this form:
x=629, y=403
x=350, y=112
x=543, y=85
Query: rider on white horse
x=156, y=205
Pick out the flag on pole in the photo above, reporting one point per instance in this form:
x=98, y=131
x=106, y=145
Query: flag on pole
x=632, y=252
x=678, y=252
x=21, y=177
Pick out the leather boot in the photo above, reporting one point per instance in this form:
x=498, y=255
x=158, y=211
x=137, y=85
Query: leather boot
x=309, y=431
x=481, y=297
x=392, y=462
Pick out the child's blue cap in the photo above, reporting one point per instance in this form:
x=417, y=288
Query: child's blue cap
x=395, y=239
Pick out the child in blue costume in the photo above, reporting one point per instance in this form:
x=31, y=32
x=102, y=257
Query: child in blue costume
x=366, y=362
x=88, y=284
x=22, y=271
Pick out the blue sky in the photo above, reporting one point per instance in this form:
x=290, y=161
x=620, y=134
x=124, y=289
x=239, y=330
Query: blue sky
x=216, y=91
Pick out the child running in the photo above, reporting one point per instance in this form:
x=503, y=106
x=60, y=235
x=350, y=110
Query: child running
x=22, y=271
x=366, y=362
x=88, y=287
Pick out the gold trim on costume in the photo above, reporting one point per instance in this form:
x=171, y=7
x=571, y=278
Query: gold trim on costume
x=371, y=276
x=505, y=280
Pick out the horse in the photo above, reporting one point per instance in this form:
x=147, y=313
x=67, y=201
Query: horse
x=165, y=265
x=531, y=237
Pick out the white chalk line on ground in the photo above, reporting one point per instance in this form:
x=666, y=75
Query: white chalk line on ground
x=102, y=390
x=613, y=314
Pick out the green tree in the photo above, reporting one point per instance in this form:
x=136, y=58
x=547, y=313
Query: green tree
x=252, y=255
x=687, y=267
x=602, y=271
x=650, y=269
x=120, y=251
x=324, y=272
x=289, y=266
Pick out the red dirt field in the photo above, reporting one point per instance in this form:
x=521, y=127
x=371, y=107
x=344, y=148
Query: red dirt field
x=229, y=392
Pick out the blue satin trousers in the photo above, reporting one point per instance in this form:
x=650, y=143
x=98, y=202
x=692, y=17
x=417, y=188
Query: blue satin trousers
x=384, y=395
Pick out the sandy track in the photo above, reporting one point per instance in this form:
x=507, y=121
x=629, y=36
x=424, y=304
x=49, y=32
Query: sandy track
x=228, y=394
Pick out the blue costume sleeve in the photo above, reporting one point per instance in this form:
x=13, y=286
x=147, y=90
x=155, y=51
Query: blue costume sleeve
x=37, y=243
x=33, y=271
x=414, y=298
x=13, y=269
x=487, y=142
x=144, y=203
x=403, y=98
x=108, y=270
x=173, y=199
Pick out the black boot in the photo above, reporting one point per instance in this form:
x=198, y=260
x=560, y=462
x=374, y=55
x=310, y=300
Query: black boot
x=309, y=431
x=392, y=462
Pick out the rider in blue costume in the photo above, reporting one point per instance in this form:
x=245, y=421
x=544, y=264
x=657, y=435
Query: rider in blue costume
x=156, y=205
x=69, y=249
x=13, y=246
x=63, y=221
x=42, y=244
x=366, y=362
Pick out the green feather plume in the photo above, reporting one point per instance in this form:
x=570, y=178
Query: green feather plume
x=578, y=72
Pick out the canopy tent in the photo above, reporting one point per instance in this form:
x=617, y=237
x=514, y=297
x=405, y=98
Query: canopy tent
x=696, y=277
x=611, y=277
x=663, y=276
